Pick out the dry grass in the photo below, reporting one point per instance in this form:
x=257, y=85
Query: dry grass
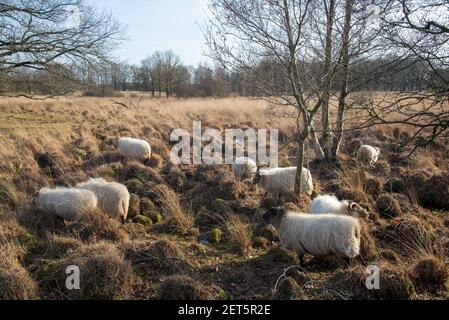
x=238, y=231
x=183, y=288
x=59, y=142
x=161, y=257
x=15, y=281
x=177, y=219
x=104, y=274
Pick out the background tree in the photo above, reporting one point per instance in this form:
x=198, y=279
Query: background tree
x=296, y=54
x=419, y=31
x=39, y=34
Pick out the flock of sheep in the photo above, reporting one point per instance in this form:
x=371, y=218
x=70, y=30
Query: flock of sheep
x=70, y=204
x=331, y=227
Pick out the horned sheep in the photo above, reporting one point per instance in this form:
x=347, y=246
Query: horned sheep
x=134, y=148
x=331, y=204
x=319, y=235
x=70, y=204
x=113, y=197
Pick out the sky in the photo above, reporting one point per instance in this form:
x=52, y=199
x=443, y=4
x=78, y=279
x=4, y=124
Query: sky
x=159, y=25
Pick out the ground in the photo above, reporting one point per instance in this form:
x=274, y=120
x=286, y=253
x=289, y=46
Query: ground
x=195, y=231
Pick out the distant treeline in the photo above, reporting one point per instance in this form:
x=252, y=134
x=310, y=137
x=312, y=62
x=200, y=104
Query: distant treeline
x=163, y=74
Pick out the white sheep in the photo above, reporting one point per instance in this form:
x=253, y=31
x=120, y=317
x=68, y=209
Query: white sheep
x=319, y=235
x=113, y=197
x=70, y=204
x=330, y=204
x=279, y=181
x=244, y=167
x=368, y=154
x=134, y=148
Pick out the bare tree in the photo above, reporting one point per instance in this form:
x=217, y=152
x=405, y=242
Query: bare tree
x=297, y=54
x=419, y=30
x=242, y=34
x=40, y=34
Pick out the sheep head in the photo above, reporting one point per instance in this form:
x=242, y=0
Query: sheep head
x=274, y=216
x=34, y=198
x=356, y=210
x=257, y=177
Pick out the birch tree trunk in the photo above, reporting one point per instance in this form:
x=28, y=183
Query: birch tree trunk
x=327, y=78
x=344, y=82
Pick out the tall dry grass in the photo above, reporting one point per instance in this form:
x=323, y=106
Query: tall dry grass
x=238, y=231
x=177, y=219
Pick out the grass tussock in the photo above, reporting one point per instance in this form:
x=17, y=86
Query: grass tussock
x=430, y=273
x=104, y=274
x=238, y=232
x=395, y=284
x=16, y=282
x=160, y=257
x=412, y=236
x=183, y=288
x=96, y=226
x=176, y=219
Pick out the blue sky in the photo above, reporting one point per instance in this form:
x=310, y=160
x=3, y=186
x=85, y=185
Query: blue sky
x=158, y=25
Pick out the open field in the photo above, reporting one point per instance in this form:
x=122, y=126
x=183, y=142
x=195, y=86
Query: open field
x=160, y=252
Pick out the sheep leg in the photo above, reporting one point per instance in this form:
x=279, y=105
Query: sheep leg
x=301, y=260
x=348, y=261
x=123, y=219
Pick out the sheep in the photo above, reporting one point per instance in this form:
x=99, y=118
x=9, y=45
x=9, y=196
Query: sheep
x=113, y=197
x=134, y=148
x=282, y=180
x=69, y=204
x=331, y=204
x=368, y=155
x=319, y=235
x=244, y=167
